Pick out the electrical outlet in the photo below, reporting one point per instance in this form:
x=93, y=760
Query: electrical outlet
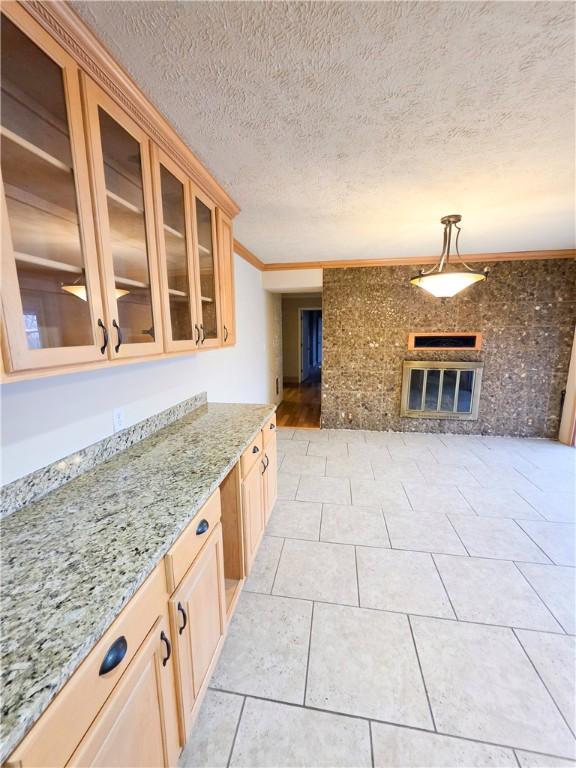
x=118, y=419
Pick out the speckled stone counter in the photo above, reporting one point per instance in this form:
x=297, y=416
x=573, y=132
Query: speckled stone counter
x=73, y=559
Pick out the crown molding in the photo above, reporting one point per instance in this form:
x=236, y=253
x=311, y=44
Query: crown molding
x=68, y=29
x=562, y=253
x=241, y=250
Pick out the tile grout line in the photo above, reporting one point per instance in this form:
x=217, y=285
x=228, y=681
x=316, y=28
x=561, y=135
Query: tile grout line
x=549, y=559
x=538, y=596
x=444, y=585
x=534, y=667
x=371, y=743
x=516, y=758
x=387, y=529
x=357, y=577
x=422, y=674
x=459, y=537
x=236, y=732
x=277, y=567
x=308, y=657
x=387, y=722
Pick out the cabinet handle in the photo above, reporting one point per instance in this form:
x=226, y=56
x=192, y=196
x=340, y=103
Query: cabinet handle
x=119, y=332
x=203, y=339
x=164, y=639
x=225, y=333
x=272, y=426
x=197, y=333
x=267, y=460
x=263, y=466
x=184, y=617
x=255, y=449
x=203, y=526
x=114, y=655
x=105, y=332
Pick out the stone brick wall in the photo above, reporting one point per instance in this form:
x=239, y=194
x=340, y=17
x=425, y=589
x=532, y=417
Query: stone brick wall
x=525, y=310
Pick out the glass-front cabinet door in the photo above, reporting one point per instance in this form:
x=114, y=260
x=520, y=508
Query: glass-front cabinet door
x=207, y=285
x=52, y=304
x=121, y=174
x=176, y=254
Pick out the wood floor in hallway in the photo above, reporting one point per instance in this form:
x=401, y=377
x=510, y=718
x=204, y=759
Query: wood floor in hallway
x=301, y=404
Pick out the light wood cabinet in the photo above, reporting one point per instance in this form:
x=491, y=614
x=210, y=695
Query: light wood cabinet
x=252, y=512
x=138, y=724
x=198, y=615
x=226, y=256
x=119, y=153
x=174, y=232
x=112, y=251
x=139, y=710
x=52, y=303
x=207, y=275
x=270, y=476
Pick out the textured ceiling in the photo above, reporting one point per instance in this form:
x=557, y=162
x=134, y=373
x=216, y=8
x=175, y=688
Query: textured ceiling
x=346, y=129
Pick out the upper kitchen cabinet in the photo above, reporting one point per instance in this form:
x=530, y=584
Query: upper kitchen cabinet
x=52, y=306
x=119, y=153
x=174, y=229
x=207, y=279
x=226, y=259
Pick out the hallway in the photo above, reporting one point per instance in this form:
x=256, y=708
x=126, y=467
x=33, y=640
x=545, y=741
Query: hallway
x=301, y=404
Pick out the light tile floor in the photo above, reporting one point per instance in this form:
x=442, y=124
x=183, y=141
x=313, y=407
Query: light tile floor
x=412, y=604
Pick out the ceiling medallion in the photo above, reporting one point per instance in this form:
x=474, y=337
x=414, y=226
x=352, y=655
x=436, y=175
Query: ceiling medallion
x=441, y=281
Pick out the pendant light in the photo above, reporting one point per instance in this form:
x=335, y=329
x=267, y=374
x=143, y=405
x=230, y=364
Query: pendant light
x=441, y=281
x=78, y=289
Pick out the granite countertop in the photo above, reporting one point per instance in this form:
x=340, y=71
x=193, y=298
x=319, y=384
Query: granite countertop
x=73, y=559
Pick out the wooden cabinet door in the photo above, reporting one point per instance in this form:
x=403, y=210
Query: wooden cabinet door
x=252, y=512
x=119, y=154
x=270, y=476
x=207, y=270
x=227, y=299
x=138, y=725
x=51, y=294
x=176, y=253
x=198, y=615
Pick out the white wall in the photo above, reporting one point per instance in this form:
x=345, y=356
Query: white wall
x=46, y=419
x=293, y=280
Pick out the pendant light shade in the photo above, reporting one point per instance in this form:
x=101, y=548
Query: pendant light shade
x=441, y=281
x=79, y=290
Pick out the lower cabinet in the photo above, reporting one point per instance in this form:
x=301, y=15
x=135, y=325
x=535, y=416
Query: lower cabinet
x=270, y=477
x=252, y=512
x=138, y=725
x=198, y=617
x=133, y=700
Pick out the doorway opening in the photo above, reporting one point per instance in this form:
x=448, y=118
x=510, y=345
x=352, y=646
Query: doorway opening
x=302, y=361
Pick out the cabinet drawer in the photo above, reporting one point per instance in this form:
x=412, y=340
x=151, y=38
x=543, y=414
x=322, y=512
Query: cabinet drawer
x=251, y=454
x=57, y=733
x=269, y=429
x=191, y=541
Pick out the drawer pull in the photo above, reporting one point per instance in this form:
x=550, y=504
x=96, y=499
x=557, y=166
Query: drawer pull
x=183, y=612
x=203, y=526
x=267, y=460
x=272, y=426
x=255, y=449
x=114, y=655
x=263, y=466
x=165, y=640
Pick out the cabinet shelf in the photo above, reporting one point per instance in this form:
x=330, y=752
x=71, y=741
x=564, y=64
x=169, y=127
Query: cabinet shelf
x=39, y=261
x=34, y=149
x=203, y=249
x=175, y=292
x=207, y=299
x=123, y=202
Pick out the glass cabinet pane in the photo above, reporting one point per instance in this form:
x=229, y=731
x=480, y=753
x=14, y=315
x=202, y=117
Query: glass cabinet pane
x=125, y=201
x=174, y=232
x=207, y=274
x=40, y=189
